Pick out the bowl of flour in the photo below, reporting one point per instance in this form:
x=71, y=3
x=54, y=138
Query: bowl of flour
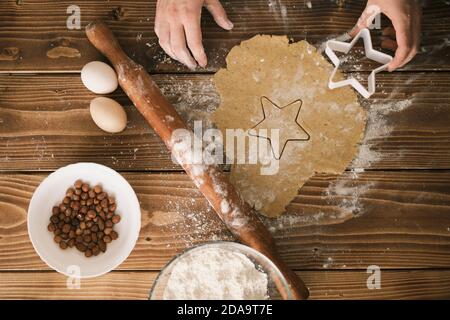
x=219, y=270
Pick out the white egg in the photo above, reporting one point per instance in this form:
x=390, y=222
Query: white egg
x=99, y=77
x=108, y=115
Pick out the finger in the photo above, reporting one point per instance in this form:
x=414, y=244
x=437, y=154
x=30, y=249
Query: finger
x=194, y=41
x=178, y=46
x=404, y=43
x=389, y=44
x=414, y=50
x=361, y=24
x=400, y=58
x=163, y=32
x=219, y=14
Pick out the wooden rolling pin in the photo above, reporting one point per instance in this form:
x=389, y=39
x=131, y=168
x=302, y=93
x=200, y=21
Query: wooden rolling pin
x=237, y=215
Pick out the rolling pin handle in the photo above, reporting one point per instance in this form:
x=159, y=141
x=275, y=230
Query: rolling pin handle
x=103, y=39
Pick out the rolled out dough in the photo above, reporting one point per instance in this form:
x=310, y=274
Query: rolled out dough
x=269, y=66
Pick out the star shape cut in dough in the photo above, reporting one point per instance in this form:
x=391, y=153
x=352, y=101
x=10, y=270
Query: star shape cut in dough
x=285, y=119
x=371, y=53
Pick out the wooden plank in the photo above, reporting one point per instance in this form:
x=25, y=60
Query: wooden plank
x=432, y=284
x=390, y=219
x=35, y=36
x=45, y=123
x=50, y=125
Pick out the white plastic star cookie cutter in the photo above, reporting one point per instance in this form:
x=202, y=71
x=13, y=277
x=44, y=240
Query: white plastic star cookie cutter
x=344, y=47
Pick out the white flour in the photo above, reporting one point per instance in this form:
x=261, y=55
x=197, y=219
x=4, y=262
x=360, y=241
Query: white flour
x=378, y=127
x=216, y=274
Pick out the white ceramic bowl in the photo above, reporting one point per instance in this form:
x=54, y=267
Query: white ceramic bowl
x=51, y=191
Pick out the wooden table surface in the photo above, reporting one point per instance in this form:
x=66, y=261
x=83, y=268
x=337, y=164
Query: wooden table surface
x=391, y=208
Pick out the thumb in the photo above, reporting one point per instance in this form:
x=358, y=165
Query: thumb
x=219, y=14
x=355, y=30
x=365, y=20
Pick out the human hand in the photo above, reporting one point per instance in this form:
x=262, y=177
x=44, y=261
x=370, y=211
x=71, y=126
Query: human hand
x=404, y=36
x=177, y=25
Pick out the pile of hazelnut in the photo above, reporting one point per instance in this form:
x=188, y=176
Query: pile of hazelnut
x=85, y=219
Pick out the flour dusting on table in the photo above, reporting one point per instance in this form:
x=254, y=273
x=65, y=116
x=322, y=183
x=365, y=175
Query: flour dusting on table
x=378, y=127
